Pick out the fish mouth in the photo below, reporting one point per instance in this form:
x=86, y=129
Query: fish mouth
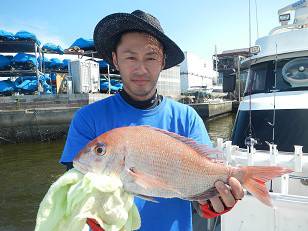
x=79, y=167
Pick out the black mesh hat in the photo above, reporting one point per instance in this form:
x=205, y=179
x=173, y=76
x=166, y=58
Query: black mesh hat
x=109, y=29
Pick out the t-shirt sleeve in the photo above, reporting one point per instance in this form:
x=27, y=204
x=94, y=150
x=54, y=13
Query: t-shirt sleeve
x=80, y=133
x=197, y=130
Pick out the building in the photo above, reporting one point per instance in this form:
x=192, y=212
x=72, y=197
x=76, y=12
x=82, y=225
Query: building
x=196, y=72
x=227, y=61
x=169, y=82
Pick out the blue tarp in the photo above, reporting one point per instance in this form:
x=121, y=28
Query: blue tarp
x=102, y=64
x=55, y=63
x=25, y=35
x=45, y=61
x=22, y=60
x=45, y=81
x=45, y=78
x=53, y=76
x=104, y=87
x=5, y=35
x=21, y=79
x=85, y=44
x=5, y=62
x=119, y=85
x=65, y=63
x=7, y=87
x=115, y=85
x=28, y=84
x=50, y=47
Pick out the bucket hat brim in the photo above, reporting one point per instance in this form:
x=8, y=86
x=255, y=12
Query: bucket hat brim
x=112, y=26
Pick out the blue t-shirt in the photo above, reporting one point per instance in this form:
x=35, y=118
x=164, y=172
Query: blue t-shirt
x=112, y=112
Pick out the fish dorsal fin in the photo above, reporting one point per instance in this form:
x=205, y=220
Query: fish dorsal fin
x=202, y=149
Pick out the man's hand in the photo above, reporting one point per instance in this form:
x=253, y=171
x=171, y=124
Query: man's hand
x=228, y=195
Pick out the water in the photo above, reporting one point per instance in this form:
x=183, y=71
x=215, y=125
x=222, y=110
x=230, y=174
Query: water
x=220, y=127
x=28, y=170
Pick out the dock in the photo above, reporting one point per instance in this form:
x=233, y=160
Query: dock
x=212, y=109
x=39, y=117
x=47, y=117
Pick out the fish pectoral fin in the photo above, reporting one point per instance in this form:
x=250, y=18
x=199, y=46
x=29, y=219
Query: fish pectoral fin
x=148, y=181
x=203, y=196
x=147, y=198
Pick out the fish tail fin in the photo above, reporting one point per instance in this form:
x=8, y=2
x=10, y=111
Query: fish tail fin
x=254, y=178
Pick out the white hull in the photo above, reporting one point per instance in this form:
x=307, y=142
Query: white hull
x=290, y=213
x=281, y=100
x=290, y=197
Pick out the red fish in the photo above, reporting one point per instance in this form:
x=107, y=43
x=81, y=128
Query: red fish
x=157, y=163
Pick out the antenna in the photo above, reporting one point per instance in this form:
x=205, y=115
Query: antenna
x=250, y=87
x=249, y=141
x=257, y=21
x=274, y=91
x=249, y=25
x=274, y=110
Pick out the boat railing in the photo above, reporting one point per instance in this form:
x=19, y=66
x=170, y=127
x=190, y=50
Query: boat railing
x=284, y=28
x=297, y=160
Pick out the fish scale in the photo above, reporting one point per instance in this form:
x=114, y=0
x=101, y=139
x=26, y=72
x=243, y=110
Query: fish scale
x=179, y=172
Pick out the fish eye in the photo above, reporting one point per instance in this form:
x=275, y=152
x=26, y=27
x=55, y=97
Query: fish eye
x=100, y=150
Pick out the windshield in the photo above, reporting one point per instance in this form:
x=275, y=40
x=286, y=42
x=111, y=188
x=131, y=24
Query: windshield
x=292, y=74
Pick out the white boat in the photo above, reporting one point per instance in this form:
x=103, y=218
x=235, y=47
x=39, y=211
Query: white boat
x=272, y=123
x=289, y=193
x=203, y=89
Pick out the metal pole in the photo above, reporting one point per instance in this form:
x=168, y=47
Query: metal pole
x=216, y=58
x=274, y=92
x=250, y=125
x=216, y=61
x=249, y=26
x=37, y=70
x=42, y=64
x=108, y=74
x=257, y=21
x=239, y=78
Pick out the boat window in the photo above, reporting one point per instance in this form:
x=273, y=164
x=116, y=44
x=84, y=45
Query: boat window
x=256, y=79
x=281, y=84
x=295, y=72
x=291, y=74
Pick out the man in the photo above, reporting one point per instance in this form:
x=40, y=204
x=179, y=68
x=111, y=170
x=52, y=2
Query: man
x=138, y=48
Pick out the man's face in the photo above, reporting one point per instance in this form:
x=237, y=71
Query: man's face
x=139, y=58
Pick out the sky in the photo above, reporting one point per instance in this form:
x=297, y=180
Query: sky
x=195, y=25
